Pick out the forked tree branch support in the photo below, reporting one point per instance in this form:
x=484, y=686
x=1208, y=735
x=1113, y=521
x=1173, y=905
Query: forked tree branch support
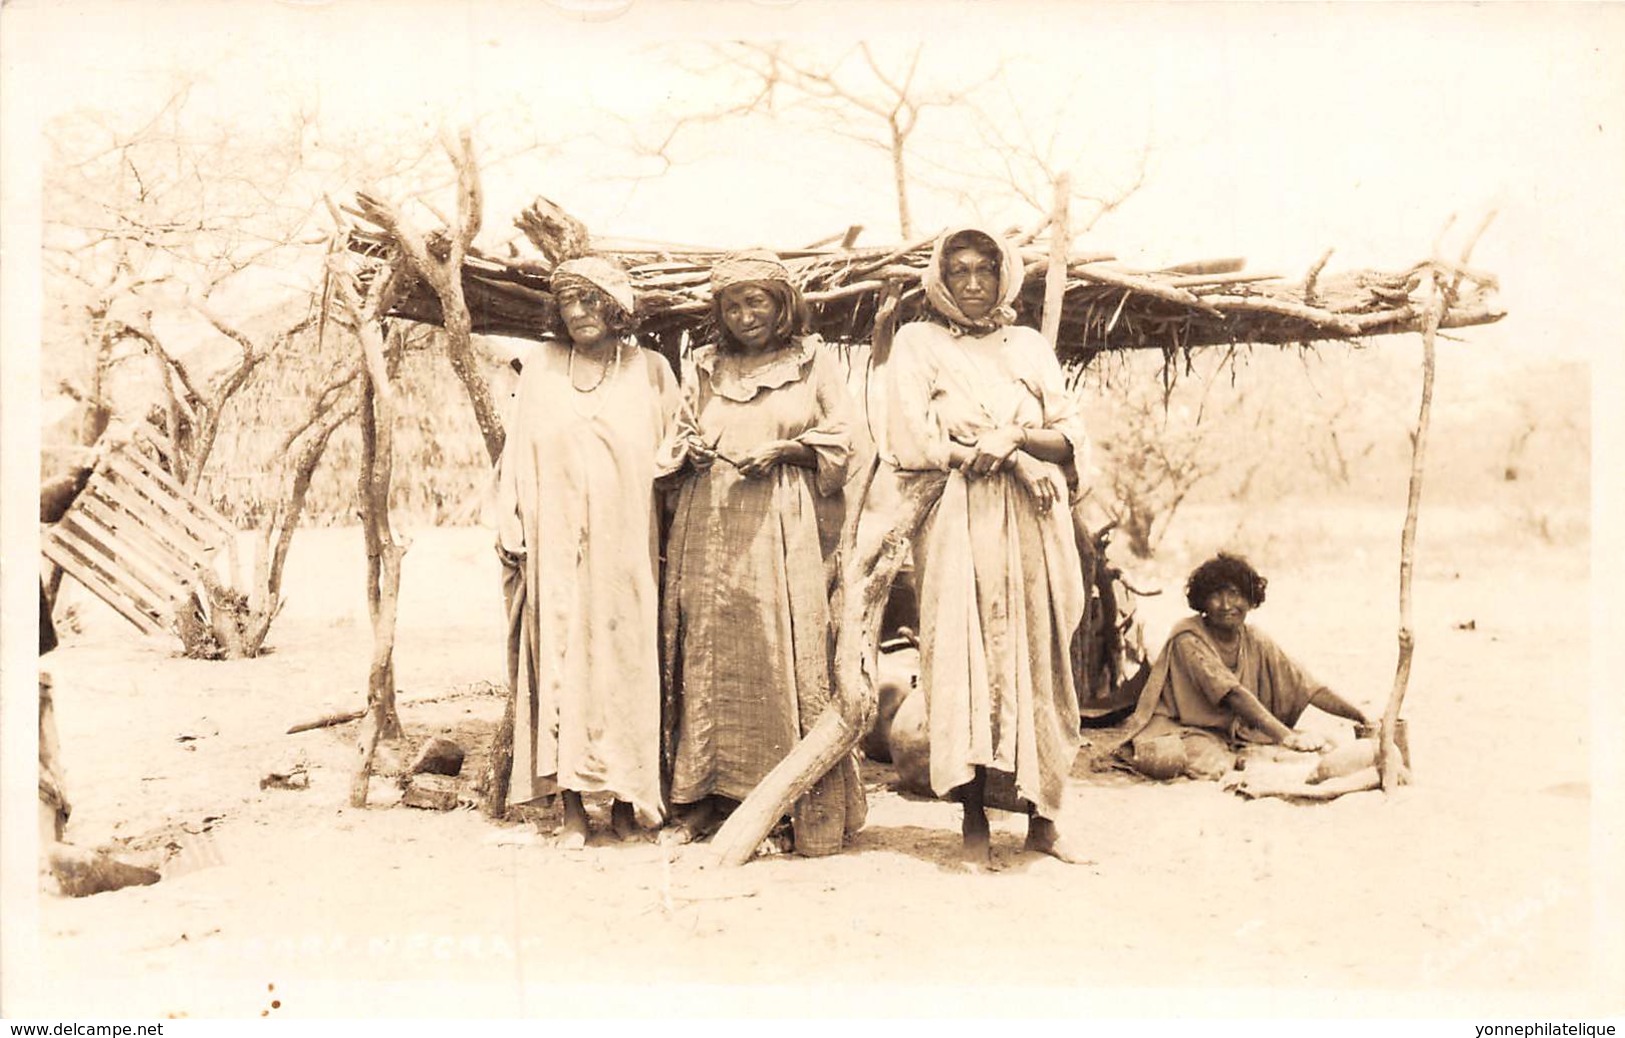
x=868, y=576
x=1389, y=761
x=438, y=260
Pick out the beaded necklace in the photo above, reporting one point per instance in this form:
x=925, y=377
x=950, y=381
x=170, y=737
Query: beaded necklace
x=603, y=376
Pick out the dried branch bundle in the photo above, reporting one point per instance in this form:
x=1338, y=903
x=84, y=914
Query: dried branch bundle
x=1105, y=306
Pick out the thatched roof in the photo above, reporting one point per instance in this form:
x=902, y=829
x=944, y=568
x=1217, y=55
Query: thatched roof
x=1106, y=306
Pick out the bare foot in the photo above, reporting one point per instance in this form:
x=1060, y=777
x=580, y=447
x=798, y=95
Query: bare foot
x=695, y=823
x=978, y=848
x=573, y=833
x=622, y=821
x=1044, y=838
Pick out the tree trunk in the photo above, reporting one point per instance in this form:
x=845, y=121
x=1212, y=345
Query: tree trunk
x=383, y=572
x=900, y=181
x=499, y=765
x=460, y=351
x=866, y=581
x=1060, y=238
x=290, y=509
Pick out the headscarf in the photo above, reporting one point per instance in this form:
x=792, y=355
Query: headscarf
x=1012, y=272
x=746, y=266
x=758, y=267
x=600, y=274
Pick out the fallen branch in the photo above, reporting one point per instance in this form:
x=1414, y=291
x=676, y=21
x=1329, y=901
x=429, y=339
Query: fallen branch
x=1254, y=787
x=327, y=721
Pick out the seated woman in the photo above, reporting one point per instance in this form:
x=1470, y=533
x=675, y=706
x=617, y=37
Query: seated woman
x=1219, y=683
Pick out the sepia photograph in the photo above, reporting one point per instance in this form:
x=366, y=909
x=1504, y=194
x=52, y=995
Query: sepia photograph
x=784, y=509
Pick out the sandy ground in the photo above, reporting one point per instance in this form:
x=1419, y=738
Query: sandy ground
x=1471, y=890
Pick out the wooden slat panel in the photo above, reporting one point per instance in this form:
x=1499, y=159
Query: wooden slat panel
x=114, y=567
x=161, y=579
x=178, y=554
x=59, y=549
x=140, y=536
x=157, y=543
x=199, y=507
x=178, y=511
x=136, y=539
x=159, y=514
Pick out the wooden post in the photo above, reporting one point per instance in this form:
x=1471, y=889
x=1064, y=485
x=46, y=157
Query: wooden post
x=377, y=407
x=1388, y=755
x=383, y=573
x=1060, y=239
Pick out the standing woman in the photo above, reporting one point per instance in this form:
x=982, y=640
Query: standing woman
x=747, y=605
x=595, y=423
x=1001, y=589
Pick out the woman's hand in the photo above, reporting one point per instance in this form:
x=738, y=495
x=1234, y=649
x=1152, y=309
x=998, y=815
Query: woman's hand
x=1038, y=479
x=761, y=460
x=701, y=455
x=1304, y=742
x=993, y=450
x=510, y=540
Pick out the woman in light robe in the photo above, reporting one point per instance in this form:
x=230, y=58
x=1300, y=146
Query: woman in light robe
x=1000, y=584
x=747, y=607
x=596, y=422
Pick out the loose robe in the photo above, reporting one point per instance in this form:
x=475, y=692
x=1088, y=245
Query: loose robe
x=1184, y=694
x=576, y=504
x=747, y=608
x=1000, y=585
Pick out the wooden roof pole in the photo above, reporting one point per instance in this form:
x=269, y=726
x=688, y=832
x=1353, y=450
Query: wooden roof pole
x=1389, y=761
x=1060, y=238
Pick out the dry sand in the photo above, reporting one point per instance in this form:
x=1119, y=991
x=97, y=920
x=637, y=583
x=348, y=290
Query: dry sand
x=1471, y=888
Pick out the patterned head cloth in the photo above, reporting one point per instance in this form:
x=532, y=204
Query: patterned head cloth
x=600, y=274
x=1011, y=275
x=751, y=265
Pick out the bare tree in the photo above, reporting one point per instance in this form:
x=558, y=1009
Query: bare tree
x=194, y=244
x=1025, y=156
x=1156, y=443
x=193, y=241
x=877, y=101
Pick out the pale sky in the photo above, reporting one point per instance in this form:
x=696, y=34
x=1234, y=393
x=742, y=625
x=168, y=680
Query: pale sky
x=1275, y=130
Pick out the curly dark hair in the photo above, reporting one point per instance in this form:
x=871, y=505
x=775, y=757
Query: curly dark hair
x=793, y=314
x=1221, y=571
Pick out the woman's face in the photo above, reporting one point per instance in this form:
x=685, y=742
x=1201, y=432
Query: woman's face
x=752, y=316
x=972, y=276
x=582, y=311
x=1226, y=610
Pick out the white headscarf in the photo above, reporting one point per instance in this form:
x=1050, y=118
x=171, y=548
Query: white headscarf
x=1012, y=273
